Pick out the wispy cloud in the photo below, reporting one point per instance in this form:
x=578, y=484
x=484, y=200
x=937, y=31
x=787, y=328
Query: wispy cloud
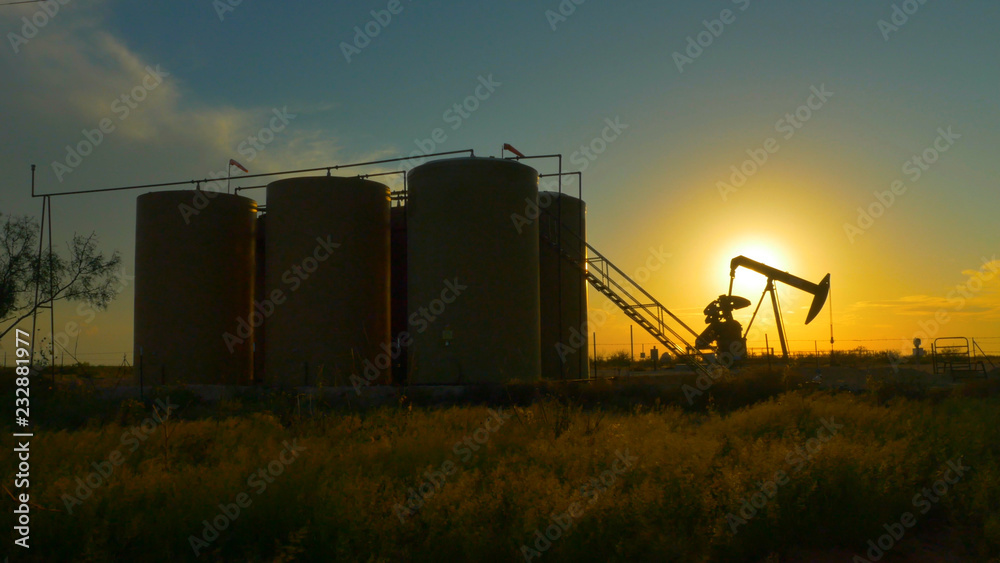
x=73, y=73
x=976, y=297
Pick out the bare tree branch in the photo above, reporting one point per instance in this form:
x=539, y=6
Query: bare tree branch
x=87, y=275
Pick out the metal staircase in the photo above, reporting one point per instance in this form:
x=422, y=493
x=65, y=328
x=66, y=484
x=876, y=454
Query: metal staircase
x=629, y=296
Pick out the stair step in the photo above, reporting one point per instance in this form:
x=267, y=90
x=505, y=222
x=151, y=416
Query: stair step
x=636, y=311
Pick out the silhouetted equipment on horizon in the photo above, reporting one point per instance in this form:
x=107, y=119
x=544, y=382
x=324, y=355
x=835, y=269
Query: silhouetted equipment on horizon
x=722, y=328
x=637, y=303
x=819, y=291
x=452, y=230
x=952, y=355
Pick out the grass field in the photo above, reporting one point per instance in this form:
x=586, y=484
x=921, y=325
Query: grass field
x=759, y=468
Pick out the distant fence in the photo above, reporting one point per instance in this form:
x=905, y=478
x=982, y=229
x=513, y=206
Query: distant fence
x=93, y=358
x=990, y=345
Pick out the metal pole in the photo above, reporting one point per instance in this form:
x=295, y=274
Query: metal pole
x=52, y=301
x=595, y=355
x=831, y=326
x=631, y=349
x=582, y=305
x=777, y=318
x=38, y=266
x=767, y=351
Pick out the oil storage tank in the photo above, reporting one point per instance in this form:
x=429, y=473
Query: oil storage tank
x=327, y=282
x=259, y=297
x=194, y=279
x=562, y=286
x=398, y=290
x=472, y=258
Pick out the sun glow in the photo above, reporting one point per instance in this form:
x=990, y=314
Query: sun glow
x=751, y=285
x=748, y=283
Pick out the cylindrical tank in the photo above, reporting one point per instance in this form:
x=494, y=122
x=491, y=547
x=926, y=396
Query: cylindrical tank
x=473, y=272
x=563, y=287
x=194, y=279
x=259, y=350
x=398, y=284
x=327, y=282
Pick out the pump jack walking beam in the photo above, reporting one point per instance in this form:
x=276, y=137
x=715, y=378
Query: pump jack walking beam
x=819, y=292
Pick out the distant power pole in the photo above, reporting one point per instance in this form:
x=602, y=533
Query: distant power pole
x=631, y=349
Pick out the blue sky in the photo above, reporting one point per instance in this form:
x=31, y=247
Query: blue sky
x=656, y=185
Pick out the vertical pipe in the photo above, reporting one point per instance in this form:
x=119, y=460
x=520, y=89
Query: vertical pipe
x=582, y=312
x=52, y=301
x=631, y=349
x=38, y=267
x=831, y=326
x=767, y=351
x=559, y=230
x=140, y=374
x=777, y=318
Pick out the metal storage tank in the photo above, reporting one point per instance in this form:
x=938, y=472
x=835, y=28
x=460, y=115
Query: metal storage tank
x=563, y=287
x=194, y=279
x=327, y=273
x=398, y=285
x=473, y=272
x=259, y=350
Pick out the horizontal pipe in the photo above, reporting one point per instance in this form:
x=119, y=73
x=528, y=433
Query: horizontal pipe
x=262, y=175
